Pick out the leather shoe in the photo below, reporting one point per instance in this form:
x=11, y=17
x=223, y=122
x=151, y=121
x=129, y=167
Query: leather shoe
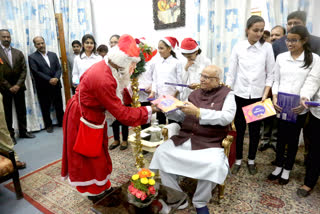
x=273, y=177
x=27, y=135
x=21, y=165
x=14, y=140
x=252, y=169
x=50, y=129
x=96, y=198
x=235, y=169
x=303, y=193
x=114, y=145
x=283, y=181
x=124, y=145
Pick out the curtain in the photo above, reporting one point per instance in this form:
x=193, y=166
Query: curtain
x=220, y=24
x=278, y=10
x=26, y=19
x=77, y=19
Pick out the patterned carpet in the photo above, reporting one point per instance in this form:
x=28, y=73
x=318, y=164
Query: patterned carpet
x=243, y=194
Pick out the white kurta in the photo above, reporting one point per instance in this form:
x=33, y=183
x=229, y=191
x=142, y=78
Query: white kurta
x=166, y=70
x=206, y=164
x=192, y=75
x=145, y=81
x=80, y=65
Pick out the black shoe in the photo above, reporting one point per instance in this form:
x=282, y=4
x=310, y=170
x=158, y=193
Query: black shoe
x=283, y=181
x=14, y=140
x=203, y=210
x=235, y=169
x=273, y=177
x=124, y=145
x=114, y=145
x=27, y=135
x=303, y=193
x=252, y=169
x=263, y=147
x=94, y=199
x=50, y=129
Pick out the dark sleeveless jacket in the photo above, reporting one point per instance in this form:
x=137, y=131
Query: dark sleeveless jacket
x=203, y=136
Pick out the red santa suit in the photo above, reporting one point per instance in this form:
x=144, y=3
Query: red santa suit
x=98, y=88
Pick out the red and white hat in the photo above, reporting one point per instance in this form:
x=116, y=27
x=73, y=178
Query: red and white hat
x=189, y=45
x=125, y=52
x=171, y=41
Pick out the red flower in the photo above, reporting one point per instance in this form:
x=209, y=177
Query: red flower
x=1, y=62
x=139, y=194
x=143, y=196
x=132, y=190
x=152, y=190
x=148, y=57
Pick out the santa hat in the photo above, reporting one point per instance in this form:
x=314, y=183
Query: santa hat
x=125, y=52
x=171, y=41
x=189, y=45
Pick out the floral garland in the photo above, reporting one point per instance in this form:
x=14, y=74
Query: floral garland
x=146, y=54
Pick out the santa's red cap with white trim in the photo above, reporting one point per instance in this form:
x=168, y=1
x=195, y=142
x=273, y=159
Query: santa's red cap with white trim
x=189, y=45
x=171, y=41
x=125, y=52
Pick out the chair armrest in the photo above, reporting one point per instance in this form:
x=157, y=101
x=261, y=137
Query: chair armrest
x=226, y=144
x=8, y=153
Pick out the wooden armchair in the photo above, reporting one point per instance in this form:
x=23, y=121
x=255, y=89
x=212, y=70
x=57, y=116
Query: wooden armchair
x=8, y=170
x=229, y=149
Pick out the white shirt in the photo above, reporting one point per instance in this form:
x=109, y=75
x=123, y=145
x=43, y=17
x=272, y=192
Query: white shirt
x=7, y=51
x=311, y=88
x=80, y=65
x=289, y=75
x=166, y=70
x=145, y=81
x=46, y=58
x=250, y=69
x=192, y=75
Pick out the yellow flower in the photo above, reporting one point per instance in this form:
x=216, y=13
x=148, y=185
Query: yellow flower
x=152, y=174
x=152, y=181
x=135, y=177
x=144, y=180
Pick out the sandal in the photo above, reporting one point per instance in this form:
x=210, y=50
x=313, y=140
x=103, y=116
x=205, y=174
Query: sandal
x=124, y=145
x=114, y=145
x=21, y=165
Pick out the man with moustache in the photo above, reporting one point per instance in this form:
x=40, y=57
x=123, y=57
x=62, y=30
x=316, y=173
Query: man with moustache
x=12, y=86
x=277, y=32
x=46, y=72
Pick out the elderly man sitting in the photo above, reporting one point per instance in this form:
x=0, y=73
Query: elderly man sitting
x=197, y=152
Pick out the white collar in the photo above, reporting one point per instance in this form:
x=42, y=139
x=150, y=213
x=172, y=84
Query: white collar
x=4, y=48
x=300, y=58
x=83, y=55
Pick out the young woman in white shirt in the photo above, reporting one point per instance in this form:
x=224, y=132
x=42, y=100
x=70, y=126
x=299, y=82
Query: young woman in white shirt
x=311, y=91
x=87, y=57
x=193, y=67
x=291, y=71
x=250, y=76
x=167, y=69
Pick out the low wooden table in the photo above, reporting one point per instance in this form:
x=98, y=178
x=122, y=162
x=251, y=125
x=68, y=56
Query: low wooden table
x=117, y=202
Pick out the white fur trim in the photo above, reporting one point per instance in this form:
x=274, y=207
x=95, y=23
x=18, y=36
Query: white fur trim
x=90, y=182
x=120, y=58
x=166, y=41
x=189, y=51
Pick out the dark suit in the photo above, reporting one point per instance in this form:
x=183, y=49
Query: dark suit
x=48, y=94
x=10, y=76
x=279, y=46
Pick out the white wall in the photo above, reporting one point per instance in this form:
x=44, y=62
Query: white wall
x=135, y=18
x=316, y=20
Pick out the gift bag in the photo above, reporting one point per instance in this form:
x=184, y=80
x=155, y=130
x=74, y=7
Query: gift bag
x=89, y=138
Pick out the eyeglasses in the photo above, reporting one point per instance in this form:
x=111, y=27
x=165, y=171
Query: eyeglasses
x=294, y=24
x=292, y=41
x=207, y=77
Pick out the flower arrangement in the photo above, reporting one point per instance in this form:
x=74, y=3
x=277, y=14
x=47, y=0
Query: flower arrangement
x=142, y=186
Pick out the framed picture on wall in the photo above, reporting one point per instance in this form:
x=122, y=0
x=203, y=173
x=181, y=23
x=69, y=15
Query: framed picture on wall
x=168, y=14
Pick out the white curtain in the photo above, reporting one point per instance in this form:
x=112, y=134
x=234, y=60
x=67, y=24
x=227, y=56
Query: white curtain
x=77, y=19
x=279, y=10
x=220, y=24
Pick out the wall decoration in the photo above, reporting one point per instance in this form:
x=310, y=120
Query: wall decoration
x=168, y=14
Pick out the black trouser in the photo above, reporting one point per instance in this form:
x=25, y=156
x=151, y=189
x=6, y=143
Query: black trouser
x=47, y=97
x=161, y=117
x=313, y=164
x=144, y=126
x=20, y=104
x=254, y=129
x=116, y=131
x=288, y=134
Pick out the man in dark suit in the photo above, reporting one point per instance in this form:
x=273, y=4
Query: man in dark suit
x=46, y=72
x=293, y=19
x=12, y=87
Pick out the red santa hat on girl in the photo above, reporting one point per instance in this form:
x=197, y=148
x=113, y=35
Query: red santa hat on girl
x=189, y=45
x=171, y=41
x=125, y=52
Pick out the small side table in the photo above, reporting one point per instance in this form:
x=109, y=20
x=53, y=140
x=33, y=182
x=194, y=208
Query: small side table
x=117, y=202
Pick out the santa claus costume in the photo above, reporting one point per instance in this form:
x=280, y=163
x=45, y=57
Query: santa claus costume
x=100, y=89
